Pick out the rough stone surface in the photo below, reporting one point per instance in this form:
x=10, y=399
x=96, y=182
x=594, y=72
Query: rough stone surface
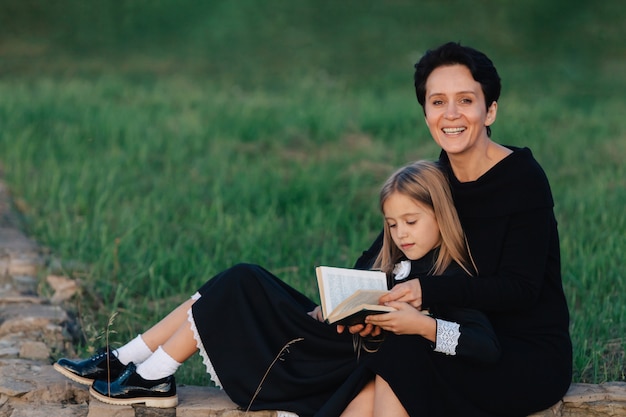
x=31, y=327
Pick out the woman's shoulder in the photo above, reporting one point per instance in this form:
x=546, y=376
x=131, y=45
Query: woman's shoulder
x=517, y=182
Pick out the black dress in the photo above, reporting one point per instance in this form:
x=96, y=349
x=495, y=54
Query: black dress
x=245, y=317
x=507, y=215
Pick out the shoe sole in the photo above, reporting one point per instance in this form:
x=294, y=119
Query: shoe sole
x=156, y=402
x=72, y=376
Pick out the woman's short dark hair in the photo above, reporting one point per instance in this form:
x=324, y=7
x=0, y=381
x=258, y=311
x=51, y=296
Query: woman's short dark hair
x=451, y=53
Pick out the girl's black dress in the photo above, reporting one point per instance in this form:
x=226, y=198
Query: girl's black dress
x=244, y=319
x=245, y=316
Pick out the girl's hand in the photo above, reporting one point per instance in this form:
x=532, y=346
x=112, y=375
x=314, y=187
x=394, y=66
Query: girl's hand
x=362, y=329
x=316, y=313
x=408, y=292
x=406, y=320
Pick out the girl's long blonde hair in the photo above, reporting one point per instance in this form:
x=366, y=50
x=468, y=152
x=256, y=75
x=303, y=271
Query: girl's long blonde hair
x=424, y=182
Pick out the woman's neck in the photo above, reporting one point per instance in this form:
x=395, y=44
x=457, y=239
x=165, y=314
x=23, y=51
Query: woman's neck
x=471, y=165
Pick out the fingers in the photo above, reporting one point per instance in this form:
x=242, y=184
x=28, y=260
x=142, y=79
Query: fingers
x=316, y=313
x=369, y=328
x=394, y=294
x=408, y=292
x=357, y=328
x=364, y=330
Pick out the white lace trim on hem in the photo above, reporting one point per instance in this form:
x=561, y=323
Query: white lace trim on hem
x=447, y=337
x=205, y=357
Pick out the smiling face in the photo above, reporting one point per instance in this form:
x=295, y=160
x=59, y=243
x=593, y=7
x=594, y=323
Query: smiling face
x=455, y=110
x=412, y=225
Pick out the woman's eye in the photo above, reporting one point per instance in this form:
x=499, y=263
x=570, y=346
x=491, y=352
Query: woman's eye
x=466, y=100
x=437, y=102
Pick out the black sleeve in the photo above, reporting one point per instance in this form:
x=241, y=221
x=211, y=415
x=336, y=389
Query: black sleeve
x=516, y=281
x=477, y=339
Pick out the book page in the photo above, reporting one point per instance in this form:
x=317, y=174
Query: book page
x=361, y=298
x=337, y=284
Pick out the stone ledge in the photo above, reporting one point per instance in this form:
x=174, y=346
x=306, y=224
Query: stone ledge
x=590, y=400
x=28, y=384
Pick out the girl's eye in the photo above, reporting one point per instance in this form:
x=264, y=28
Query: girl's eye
x=391, y=226
x=412, y=222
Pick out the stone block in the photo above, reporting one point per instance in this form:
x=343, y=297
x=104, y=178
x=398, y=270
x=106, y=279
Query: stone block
x=33, y=382
x=29, y=317
x=99, y=409
x=195, y=401
x=45, y=410
x=34, y=350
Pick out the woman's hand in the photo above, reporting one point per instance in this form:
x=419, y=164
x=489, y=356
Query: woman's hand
x=316, y=313
x=405, y=320
x=407, y=292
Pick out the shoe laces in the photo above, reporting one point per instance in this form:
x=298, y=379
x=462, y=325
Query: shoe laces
x=101, y=354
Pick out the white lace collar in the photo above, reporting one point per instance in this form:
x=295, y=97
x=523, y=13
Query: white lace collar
x=402, y=270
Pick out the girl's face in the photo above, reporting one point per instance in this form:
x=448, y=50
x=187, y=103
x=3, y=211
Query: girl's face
x=455, y=109
x=412, y=224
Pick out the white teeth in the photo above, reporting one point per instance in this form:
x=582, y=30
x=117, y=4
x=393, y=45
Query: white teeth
x=453, y=129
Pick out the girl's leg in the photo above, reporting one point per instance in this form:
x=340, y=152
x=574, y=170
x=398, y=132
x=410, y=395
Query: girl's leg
x=386, y=403
x=158, y=334
x=171, y=354
x=182, y=344
x=140, y=348
x=152, y=381
x=108, y=365
x=363, y=404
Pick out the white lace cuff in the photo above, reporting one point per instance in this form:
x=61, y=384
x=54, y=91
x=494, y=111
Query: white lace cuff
x=447, y=337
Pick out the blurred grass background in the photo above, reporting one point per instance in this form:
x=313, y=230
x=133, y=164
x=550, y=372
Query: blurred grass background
x=151, y=144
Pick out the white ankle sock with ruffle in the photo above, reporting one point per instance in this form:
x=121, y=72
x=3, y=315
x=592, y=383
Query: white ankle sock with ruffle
x=158, y=365
x=135, y=351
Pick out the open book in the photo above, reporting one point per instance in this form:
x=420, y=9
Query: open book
x=348, y=295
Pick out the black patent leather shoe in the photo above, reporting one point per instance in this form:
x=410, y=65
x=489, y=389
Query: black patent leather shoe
x=131, y=388
x=103, y=365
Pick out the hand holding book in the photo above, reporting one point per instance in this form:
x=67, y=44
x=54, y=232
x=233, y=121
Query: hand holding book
x=349, y=295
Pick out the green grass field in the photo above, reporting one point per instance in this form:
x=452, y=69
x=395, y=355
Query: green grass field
x=149, y=145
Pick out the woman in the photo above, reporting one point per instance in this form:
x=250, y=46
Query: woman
x=506, y=209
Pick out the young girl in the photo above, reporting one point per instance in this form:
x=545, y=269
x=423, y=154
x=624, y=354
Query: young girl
x=242, y=318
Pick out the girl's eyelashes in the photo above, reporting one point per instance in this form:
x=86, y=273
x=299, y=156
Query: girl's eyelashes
x=409, y=222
